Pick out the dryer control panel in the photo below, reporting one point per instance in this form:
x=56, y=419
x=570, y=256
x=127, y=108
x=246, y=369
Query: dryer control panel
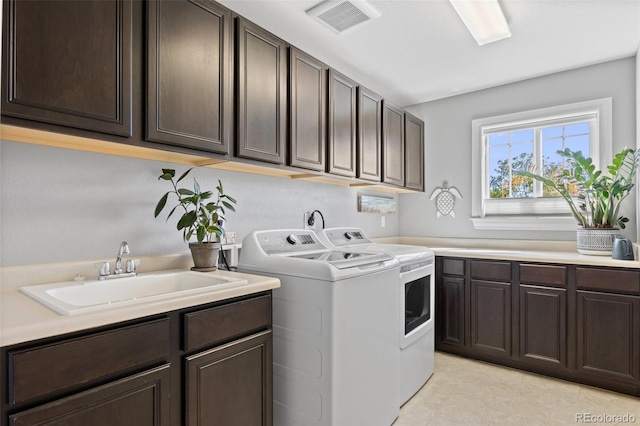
x=346, y=236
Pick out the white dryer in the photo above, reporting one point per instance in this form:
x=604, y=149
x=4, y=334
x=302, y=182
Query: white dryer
x=335, y=357
x=416, y=288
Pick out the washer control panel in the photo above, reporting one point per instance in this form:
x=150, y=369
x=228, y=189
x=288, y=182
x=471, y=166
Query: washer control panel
x=289, y=241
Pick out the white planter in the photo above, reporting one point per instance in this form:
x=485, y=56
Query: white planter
x=596, y=241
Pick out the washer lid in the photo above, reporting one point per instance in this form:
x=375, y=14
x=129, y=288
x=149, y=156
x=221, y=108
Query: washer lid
x=345, y=259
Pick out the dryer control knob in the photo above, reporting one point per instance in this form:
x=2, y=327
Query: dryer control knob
x=348, y=235
x=292, y=239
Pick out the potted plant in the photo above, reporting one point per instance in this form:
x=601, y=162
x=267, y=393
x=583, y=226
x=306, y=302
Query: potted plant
x=201, y=216
x=597, y=205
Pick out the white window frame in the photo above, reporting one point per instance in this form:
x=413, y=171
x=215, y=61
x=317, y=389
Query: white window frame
x=533, y=213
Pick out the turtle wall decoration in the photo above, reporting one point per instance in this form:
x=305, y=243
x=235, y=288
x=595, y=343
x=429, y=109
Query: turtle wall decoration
x=445, y=197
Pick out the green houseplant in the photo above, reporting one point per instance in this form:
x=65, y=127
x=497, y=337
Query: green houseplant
x=597, y=205
x=202, y=216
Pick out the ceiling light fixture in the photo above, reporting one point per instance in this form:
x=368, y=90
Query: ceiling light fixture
x=484, y=19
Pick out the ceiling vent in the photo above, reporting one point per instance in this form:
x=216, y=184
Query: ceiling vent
x=341, y=15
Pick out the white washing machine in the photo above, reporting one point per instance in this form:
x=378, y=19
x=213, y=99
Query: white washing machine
x=335, y=357
x=416, y=298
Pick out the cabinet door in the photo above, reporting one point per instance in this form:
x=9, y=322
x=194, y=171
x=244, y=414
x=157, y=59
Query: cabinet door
x=342, y=125
x=452, y=311
x=609, y=336
x=491, y=317
x=369, y=152
x=231, y=384
x=392, y=144
x=69, y=63
x=86, y=360
x=261, y=78
x=188, y=83
x=543, y=326
x=308, y=111
x=414, y=152
x=142, y=399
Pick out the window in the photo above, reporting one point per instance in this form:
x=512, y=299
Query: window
x=537, y=148
x=505, y=144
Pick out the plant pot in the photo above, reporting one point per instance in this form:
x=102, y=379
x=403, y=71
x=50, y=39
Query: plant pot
x=596, y=241
x=205, y=256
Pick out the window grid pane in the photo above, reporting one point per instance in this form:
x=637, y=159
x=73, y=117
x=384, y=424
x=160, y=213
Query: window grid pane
x=507, y=153
x=516, y=150
x=574, y=136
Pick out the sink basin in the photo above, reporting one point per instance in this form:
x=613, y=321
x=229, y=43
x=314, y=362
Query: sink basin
x=68, y=298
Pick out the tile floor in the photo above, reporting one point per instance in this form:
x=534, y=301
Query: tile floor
x=475, y=393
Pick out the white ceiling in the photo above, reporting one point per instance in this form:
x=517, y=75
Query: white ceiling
x=419, y=50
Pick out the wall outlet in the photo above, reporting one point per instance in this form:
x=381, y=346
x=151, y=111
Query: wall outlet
x=306, y=225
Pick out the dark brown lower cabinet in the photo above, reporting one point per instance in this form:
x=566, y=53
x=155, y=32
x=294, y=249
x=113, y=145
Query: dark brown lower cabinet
x=491, y=317
x=142, y=399
x=130, y=374
x=543, y=326
x=608, y=336
x=231, y=384
x=578, y=323
x=452, y=312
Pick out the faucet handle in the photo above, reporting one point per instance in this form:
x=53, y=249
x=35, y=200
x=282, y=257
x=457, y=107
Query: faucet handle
x=104, y=268
x=132, y=265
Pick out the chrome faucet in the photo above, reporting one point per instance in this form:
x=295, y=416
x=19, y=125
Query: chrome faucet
x=131, y=268
x=124, y=249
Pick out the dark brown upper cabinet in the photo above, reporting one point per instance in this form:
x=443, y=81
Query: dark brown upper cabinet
x=189, y=74
x=308, y=111
x=369, y=136
x=261, y=78
x=343, y=122
x=414, y=152
x=69, y=63
x=392, y=144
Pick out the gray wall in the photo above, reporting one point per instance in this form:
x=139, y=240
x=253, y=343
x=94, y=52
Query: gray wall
x=61, y=205
x=448, y=141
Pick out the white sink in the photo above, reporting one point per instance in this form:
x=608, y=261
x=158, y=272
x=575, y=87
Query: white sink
x=68, y=298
